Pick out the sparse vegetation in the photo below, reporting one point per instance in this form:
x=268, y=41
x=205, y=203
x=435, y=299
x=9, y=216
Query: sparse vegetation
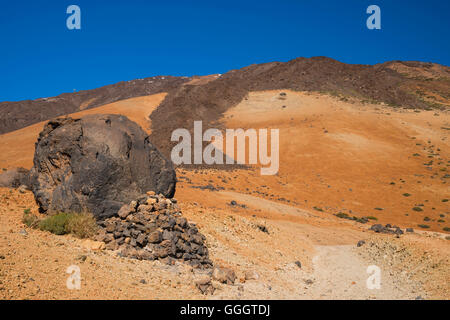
x=406, y=194
x=418, y=209
x=55, y=224
x=82, y=225
x=423, y=226
x=447, y=229
x=342, y=215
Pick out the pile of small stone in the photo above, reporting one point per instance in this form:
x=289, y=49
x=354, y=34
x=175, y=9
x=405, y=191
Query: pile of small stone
x=151, y=228
x=379, y=228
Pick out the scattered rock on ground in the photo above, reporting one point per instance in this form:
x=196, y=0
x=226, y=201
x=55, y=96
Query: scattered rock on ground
x=93, y=245
x=224, y=275
x=360, y=243
x=22, y=189
x=379, y=228
x=204, y=285
x=251, y=275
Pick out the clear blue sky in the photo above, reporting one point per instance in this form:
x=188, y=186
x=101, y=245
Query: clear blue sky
x=124, y=40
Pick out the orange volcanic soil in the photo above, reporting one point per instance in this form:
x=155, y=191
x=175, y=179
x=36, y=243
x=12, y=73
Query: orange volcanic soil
x=336, y=156
x=352, y=158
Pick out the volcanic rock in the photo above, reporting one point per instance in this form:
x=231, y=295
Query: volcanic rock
x=152, y=234
x=97, y=163
x=224, y=275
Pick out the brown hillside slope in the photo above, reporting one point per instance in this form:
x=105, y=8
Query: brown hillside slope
x=352, y=158
x=338, y=156
x=378, y=83
x=18, y=146
x=17, y=115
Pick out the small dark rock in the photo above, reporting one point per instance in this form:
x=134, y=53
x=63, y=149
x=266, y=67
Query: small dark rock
x=263, y=228
x=377, y=228
x=155, y=237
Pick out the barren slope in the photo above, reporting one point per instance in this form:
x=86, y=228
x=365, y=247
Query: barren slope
x=359, y=159
x=19, y=114
x=33, y=263
x=18, y=146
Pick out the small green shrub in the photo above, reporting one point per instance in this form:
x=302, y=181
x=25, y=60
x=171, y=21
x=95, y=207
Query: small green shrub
x=318, y=209
x=406, y=194
x=82, y=225
x=418, y=209
x=26, y=211
x=342, y=215
x=372, y=218
x=423, y=226
x=446, y=229
x=55, y=224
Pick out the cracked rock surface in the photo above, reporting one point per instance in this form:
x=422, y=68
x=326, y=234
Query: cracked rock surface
x=97, y=164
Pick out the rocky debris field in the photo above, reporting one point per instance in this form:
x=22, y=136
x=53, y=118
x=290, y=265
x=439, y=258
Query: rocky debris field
x=152, y=227
x=208, y=282
x=388, y=228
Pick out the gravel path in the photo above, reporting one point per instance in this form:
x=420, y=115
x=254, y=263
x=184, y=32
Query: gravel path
x=341, y=273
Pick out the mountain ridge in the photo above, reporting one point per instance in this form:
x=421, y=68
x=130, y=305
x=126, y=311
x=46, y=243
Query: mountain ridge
x=395, y=83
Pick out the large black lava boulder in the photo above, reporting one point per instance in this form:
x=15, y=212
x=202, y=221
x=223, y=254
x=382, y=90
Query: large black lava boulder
x=96, y=164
